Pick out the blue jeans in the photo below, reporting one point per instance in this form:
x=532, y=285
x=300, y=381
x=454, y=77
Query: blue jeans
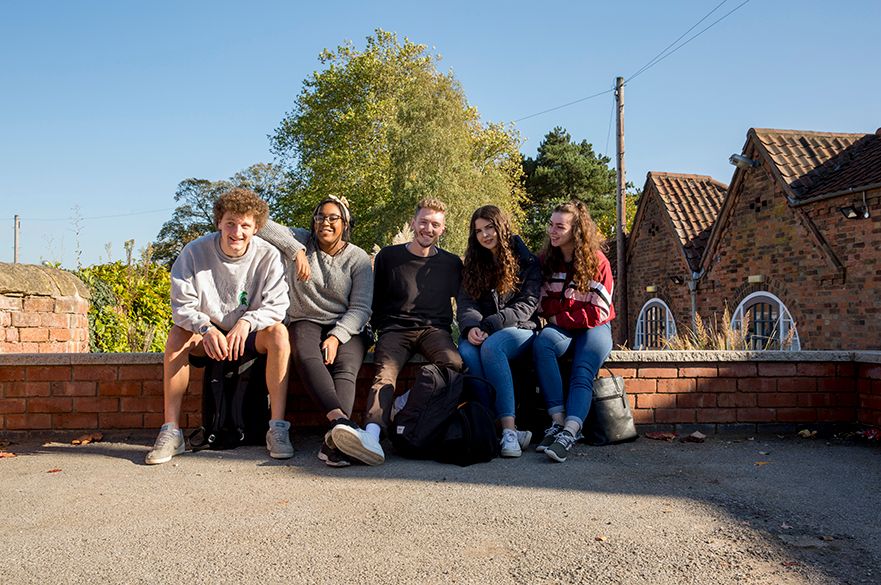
x=490, y=360
x=592, y=347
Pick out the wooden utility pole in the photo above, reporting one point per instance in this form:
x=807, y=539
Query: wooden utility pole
x=17, y=230
x=620, y=248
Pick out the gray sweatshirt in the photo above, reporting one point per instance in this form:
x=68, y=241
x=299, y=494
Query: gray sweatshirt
x=340, y=290
x=207, y=286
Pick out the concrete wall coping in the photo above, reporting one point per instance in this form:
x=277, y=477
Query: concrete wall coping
x=616, y=357
x=31, y=279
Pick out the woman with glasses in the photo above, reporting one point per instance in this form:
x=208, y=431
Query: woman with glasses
x=576, y=300
x=496, y=312
x=331, y=289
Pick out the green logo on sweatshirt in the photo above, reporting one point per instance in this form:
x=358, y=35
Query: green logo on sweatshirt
x=243, y=298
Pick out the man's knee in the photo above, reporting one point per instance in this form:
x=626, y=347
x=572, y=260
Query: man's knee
x=450, y=359
x=273, y=339
x=179, y=339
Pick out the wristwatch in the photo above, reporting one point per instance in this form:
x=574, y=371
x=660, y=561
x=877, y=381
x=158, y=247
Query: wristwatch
x=205, y=328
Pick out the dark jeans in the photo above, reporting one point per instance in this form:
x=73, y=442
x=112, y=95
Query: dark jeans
x=393, y=350
x=332, y=386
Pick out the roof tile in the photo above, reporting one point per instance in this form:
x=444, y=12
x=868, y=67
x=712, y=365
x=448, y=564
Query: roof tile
x=693, y=203
x=814, y=164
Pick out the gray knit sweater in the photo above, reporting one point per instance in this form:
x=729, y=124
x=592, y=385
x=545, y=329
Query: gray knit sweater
x=207, y=286
x=340, y=290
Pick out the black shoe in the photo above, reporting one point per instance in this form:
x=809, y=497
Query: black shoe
x=550, y=434
x=333, y=457
x=559, y=449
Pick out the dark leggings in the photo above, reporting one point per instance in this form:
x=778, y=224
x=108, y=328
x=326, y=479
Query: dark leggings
x=331, y=386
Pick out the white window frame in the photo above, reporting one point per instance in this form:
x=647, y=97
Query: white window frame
x=784, y=318
x=670, y=322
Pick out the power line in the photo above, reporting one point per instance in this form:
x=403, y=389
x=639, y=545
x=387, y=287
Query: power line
x=584, y=99
x=656, y=57
x=73, y=218
x=652, y=62
x=714, y=23
x=609, y=131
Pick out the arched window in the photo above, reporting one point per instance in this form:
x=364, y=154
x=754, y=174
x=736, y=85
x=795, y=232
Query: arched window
x=654, y=325
x=768, y=322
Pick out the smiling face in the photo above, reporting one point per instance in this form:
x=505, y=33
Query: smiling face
x=328, y=225
x=486, y=233
x=236, y=232
x=560, y=231
x=428, y=226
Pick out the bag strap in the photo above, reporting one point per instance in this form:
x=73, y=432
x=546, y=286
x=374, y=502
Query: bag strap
x=238, y=397
x=215, y=373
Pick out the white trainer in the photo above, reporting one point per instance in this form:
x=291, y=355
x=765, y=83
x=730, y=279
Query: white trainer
x=169, y=443
x=510, y=444
x=357, y=443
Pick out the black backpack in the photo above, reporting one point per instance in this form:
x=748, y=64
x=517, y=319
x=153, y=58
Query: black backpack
x=441, y=422
x=235, y=406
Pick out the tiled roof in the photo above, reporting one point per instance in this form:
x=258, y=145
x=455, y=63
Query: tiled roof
x=813, y=164
x=693, y=203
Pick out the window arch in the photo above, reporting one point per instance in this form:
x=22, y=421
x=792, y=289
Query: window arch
x=654, y=325
x=769, y=323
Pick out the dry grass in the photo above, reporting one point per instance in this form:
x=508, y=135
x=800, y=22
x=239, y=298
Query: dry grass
x=720, y=335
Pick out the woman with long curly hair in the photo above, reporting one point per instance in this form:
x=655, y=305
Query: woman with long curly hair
x=496, y=312
x=576, y=300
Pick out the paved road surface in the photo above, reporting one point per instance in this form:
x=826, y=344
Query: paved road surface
x=648, y=512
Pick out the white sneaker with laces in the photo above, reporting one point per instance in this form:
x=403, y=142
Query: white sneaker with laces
x=510, y=444
x=524, y=438
x=169, y=443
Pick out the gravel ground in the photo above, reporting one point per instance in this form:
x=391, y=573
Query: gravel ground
x=730, y=510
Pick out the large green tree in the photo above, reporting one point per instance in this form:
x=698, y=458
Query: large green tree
x=562, y=170
x=383, y=127
x=194, y=216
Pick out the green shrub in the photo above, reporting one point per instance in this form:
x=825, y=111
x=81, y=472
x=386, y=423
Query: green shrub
x=130, y=309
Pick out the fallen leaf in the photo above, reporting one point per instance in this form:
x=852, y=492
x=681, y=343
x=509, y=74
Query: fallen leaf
x=827, y=538
x=758, y=463
x=6, y=455
x=695, y=437
x=600, y=538
x=658, y=436
x=807, y=434
x=56, y=470
x=791, y=564
x=88, y=438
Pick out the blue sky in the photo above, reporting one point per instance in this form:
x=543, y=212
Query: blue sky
x=106, y=106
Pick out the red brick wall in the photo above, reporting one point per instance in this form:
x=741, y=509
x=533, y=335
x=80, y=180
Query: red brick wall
x=43, y=324
x=740, y=392
x=764, y=235
x=656, y=255
x=124, y=391
x=869, y=376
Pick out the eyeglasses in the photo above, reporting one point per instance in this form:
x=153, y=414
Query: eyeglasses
x=321, y=218
x=489, y=231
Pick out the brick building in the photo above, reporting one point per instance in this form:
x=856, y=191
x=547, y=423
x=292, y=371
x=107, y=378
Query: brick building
x=795, y=246
x=664, y=249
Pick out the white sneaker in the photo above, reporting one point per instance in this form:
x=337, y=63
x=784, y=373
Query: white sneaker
x=278, y=440
x=510, y=444
x=524, y=438
x=169, y=443
x=357, y=443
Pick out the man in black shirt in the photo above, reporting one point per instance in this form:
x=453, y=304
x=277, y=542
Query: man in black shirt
x=413, y=285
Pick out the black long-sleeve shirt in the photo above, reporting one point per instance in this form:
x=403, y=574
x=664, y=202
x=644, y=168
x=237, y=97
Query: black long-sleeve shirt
x=412, y=292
